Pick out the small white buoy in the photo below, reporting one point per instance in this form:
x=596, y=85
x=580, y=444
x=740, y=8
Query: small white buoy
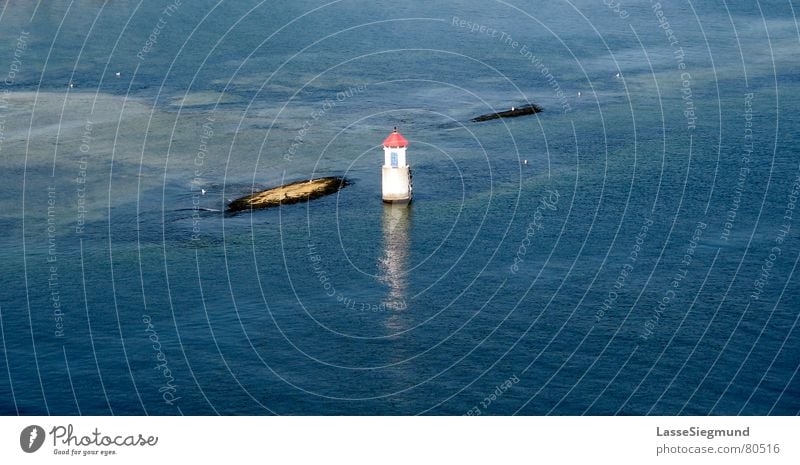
x=525, y=162
x=579, y=93
x=118, y=74
x=617, y=75
x=71, y=85
x=512, y=108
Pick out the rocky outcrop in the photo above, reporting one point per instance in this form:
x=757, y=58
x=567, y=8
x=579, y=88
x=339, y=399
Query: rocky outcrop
x=515, y=111
x=294, y=192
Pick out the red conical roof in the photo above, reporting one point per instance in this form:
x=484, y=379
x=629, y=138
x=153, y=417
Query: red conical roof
x=395, y=140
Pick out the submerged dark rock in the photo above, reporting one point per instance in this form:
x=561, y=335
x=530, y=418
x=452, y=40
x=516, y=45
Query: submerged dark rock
x=294, y=192
x=515, y=111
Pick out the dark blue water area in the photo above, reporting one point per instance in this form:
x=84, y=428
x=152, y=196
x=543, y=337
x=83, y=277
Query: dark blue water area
x=627, y=251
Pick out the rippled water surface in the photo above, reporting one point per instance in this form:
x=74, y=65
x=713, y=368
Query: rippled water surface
x=629, y=250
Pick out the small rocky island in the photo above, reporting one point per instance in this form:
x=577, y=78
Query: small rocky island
x=294, y=192
x=513, y=112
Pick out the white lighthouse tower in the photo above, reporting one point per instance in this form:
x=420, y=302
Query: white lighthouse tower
x=397, y=185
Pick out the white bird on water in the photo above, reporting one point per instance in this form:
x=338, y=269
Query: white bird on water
x=579, y=93
x=118, y=74
x=203, y=191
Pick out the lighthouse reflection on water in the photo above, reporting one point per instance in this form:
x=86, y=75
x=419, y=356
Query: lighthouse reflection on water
x=397, y=191
x=393, y=264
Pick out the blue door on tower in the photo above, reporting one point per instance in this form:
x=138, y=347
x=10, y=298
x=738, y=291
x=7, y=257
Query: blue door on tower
x=394, y=159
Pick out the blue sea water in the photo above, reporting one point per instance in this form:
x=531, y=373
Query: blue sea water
x=630, y=250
